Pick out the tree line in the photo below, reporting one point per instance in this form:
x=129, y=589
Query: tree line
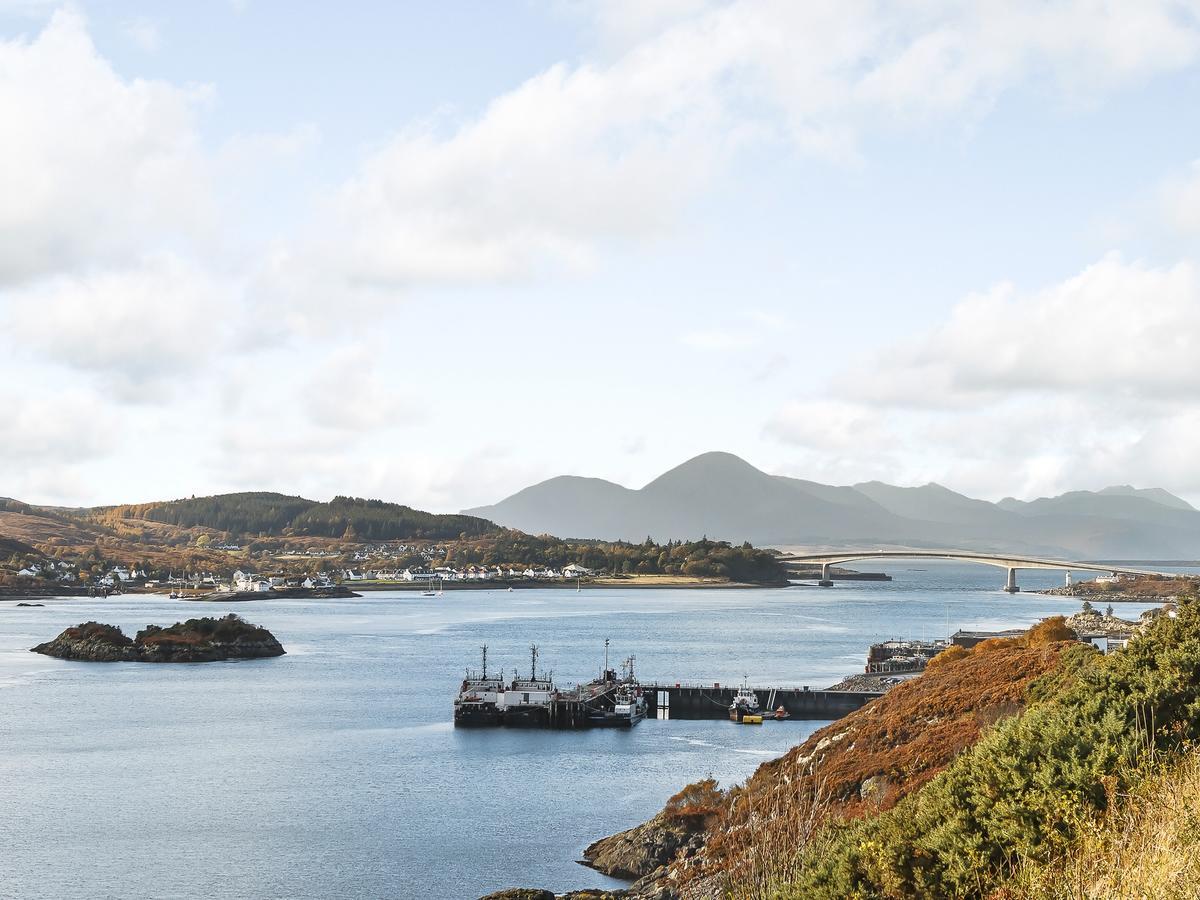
x=703, y=558
x=262, y=513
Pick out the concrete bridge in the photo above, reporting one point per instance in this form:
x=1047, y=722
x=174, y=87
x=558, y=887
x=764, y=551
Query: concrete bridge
x=1000, y=560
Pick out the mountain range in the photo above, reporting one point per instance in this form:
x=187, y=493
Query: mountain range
x=724, y=497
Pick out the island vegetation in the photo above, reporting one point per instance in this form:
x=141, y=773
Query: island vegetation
x=196, y=640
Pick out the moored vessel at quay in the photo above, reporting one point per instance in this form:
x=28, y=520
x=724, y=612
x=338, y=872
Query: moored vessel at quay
x=628, y=706
x=535, y=702
x=477, y=702
x=526, y=702
x=745, y=705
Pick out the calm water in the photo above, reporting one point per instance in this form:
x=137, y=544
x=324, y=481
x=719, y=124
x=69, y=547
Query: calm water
x=334, y=771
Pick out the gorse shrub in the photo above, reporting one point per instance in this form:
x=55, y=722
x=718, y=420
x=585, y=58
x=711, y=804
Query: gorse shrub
x=947, y=656
x=226, y=630
x=1026, y=789
x=698, y=800
x=1049, y=631
x=90, y=631
x=1149, y=846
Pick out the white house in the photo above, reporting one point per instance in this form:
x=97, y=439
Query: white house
x=574, y=570
x=417, y=575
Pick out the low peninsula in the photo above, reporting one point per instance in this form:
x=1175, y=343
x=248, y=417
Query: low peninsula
x=196, y=640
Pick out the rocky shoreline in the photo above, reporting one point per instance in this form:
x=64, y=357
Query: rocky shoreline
x=1150, y=589
x=196, y=640
x=536, y=894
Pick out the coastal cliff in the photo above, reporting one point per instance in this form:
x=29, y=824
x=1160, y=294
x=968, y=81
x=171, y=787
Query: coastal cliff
x=861, y=765
x=1034, y=767
x=642, y=853
x=196, y=640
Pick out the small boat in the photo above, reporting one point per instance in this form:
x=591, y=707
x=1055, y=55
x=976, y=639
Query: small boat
x=781, y=714
x=744, y=704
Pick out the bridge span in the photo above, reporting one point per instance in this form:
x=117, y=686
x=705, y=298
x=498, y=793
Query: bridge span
x=987, y=558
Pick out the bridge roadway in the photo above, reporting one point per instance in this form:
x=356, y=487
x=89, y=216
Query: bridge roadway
x=1001, y=560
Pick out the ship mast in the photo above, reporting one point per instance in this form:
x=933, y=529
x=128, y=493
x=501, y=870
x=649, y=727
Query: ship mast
x=484, y=648
x=533, y=662
x=606, y=657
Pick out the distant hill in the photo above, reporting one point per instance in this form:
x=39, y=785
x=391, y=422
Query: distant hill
x=723, y=497
x=277, y=514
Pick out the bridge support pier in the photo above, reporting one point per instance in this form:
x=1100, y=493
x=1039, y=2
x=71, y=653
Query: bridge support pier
x=825, y=581
x=1011, y=586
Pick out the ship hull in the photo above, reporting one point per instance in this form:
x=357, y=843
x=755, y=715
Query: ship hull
x=476, y=715
x=616, y=719
x=526, y=717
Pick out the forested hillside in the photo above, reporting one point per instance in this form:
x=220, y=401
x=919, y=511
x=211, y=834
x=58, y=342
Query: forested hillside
x=263, y=513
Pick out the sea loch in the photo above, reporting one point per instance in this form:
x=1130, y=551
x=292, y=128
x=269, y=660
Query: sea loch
x=334, y=771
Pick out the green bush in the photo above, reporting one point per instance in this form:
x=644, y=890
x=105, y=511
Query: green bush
x=1022, y=792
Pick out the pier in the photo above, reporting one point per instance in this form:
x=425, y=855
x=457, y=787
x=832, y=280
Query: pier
x=711, y=701
x=571, y=709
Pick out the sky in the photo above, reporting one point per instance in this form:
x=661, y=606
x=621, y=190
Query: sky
x=433, y=253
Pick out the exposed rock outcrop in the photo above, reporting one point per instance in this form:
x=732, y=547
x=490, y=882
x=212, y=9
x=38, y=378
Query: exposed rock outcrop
x=1092, y=621
x=537, y=894
x=645, y=849
x=196, y=640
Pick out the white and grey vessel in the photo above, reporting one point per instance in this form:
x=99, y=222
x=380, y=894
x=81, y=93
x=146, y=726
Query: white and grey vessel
x=478, y=700
x=745, y=703
x=525, y=702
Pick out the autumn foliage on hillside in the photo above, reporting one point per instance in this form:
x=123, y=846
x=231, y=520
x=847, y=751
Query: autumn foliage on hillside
x=871, y=759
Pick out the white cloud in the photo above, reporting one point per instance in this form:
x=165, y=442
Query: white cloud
x=1088, y=382
x=144, y=34
x=161, y=317
x=346, y=392
x=36, y=430
x=112, y=269
x=246, y=150
x=581, y=155
x=833, y=427
x=717, y=339
x=91, y=165
x=741, y=331
x=1116, y=328
x=568, y=159
x=1180, y=200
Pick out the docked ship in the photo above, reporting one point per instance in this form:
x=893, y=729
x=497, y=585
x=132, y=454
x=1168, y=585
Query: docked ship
x=629, y=706
x=525, y=702
x=477, y=702
x=745, y=704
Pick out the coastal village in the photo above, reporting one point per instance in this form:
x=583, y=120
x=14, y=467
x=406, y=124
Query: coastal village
x=127, y=578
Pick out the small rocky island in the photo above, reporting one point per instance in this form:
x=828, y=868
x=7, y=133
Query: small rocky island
x=196, y=640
